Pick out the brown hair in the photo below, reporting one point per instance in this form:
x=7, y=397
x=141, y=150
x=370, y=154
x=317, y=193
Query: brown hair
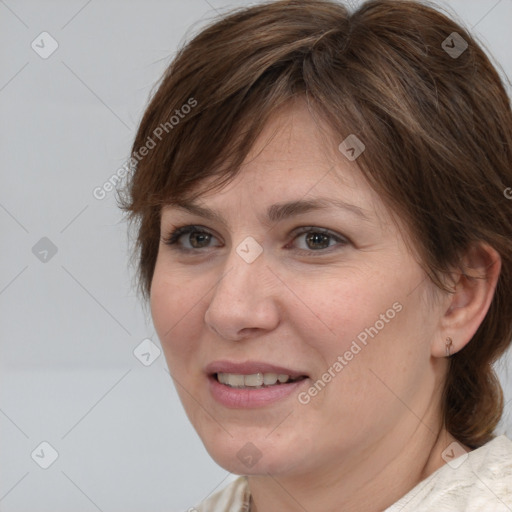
x=437, y=127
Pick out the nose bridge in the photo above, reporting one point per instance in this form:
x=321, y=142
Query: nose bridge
x=240, y=299
x=243, y=270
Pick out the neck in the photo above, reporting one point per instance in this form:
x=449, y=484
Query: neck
x=382, y=474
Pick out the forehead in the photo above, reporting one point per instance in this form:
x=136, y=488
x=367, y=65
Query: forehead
x=294, y=161
x=294, y=168
x=295, y=133
x=296, y=154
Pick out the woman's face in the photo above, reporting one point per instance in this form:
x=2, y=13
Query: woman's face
x=330, y=294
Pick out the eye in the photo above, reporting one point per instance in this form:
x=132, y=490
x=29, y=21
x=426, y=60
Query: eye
x=194, y=238
x=318, y=239
x=198, y=238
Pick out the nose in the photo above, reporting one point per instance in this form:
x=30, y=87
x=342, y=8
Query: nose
x=244, y=300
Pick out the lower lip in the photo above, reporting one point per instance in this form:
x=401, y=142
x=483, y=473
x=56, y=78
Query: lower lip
x=245, y=398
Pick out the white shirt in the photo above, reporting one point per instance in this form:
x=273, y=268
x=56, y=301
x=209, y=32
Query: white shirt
x=479, y=481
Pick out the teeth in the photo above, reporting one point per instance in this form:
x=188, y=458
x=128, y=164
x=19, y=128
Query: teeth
x=236, y=381
x=269, y=379
x=255, y=380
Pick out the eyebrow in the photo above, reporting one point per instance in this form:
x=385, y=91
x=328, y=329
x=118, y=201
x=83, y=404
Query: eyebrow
x=279, y=211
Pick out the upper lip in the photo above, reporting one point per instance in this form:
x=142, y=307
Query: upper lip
x=249, y=368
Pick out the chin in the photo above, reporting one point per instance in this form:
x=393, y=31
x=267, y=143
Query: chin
x=241, y=456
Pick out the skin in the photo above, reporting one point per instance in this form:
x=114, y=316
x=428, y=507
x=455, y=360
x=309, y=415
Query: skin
x=375, y=430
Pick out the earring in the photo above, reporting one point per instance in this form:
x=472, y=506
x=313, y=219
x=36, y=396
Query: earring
x=449, y=343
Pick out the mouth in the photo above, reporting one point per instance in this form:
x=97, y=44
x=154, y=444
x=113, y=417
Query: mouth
x=255, y=380
x=252, y=384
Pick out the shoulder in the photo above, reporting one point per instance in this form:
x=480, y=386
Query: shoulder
x=235, y=497
x=475, y=481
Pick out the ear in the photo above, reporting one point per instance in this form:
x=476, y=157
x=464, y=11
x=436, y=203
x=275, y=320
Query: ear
x=473, y=290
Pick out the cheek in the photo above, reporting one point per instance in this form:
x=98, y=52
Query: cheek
x=176, y=310
x=384, y=357
x=341, y=307
x=371, y=326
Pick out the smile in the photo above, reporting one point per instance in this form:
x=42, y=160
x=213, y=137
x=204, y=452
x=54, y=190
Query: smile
x=255, y=380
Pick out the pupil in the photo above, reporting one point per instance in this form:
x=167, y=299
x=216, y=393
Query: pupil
x=201, y=237
x=316, y=238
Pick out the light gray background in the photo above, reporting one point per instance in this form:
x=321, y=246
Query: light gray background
x=69, y=326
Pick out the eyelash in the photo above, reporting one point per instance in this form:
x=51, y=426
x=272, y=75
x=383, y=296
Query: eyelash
x=173, y=238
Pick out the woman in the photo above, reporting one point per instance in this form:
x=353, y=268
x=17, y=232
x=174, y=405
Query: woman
x=326, y=244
